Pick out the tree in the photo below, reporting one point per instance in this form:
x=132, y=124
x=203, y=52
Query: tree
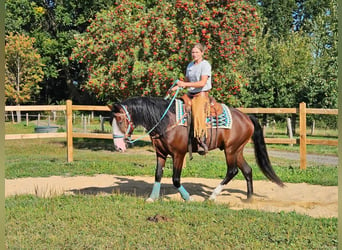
x=277, y=17
x=278, y=71
x=23, y=69
x=53, y=24
x=133, y=50
x=306, y=13
x=321, y=87
x=308, y=28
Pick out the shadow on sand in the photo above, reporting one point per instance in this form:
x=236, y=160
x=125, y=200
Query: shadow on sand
x=143, y=189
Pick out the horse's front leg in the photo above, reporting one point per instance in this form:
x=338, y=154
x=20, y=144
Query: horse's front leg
x=157, y=178
x=177, y=171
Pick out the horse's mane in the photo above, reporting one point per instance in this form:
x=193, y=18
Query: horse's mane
x=147, y=111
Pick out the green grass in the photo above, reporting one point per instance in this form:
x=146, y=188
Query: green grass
x=47, y=157
x=122, y=222
x=19, y=128
x=310, y=149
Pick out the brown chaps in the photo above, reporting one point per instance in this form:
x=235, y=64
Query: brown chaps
x=200, y=110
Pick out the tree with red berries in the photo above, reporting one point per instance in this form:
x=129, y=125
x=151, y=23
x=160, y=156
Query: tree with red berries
x=134, y=50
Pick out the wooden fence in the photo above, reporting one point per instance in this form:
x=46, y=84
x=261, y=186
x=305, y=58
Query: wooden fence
x=302, y=111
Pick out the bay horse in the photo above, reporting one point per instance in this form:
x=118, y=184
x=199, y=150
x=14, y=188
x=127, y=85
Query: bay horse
x=157, y=116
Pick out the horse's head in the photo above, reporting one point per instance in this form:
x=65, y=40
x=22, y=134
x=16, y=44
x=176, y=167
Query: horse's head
x=122, y=126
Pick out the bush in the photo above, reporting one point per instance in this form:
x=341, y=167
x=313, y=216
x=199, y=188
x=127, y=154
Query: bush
x=134, y=50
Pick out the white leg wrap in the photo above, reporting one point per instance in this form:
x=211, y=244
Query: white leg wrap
x=216, y=192
x=149, y=200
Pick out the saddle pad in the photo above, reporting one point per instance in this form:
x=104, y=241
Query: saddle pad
x=224, y=120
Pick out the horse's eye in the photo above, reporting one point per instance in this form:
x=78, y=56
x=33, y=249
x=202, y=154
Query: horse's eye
x=119, y=121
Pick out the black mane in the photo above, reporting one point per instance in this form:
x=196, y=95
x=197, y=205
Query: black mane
x=147, y=111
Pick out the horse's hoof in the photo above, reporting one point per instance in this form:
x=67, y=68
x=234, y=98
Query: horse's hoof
x=190, y=199
x=249, y=199
x=212, y=198
x=149, y=200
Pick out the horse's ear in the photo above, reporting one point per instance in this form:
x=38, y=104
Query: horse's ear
x=116, y=108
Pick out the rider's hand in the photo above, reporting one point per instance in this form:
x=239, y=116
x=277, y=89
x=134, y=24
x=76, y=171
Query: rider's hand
x=180, y=84
x=174, y=88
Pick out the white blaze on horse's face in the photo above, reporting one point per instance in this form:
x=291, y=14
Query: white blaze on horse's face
x=118, y=136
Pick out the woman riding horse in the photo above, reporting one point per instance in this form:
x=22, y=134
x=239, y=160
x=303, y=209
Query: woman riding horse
x=198, y=81
x=158, y=117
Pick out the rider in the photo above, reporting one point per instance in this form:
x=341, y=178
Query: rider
x=198, y=82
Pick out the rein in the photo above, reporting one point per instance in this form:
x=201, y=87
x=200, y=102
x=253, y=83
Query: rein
x=131, y=127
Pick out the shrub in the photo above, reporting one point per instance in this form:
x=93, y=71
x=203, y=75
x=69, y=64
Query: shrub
x=130, y=49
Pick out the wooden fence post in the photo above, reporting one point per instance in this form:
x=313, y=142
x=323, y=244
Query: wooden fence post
x=69, y=131
x=302, y=134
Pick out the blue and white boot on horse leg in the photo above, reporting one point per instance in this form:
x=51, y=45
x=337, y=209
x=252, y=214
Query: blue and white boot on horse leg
x=185, y=195
x=155, y=192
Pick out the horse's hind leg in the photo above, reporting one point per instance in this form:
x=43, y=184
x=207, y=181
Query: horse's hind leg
x=247, y=173
x=157, y=178
x=232, y=170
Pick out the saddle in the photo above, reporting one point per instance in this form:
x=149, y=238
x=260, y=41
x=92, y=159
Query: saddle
x=215, y=107
x=215, y=110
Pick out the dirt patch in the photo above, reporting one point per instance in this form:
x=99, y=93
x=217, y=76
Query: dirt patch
x=312, y=200
x=158, y=218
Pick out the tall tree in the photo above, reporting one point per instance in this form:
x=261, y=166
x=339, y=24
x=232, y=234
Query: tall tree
x=281, y=17
x=277, y=17
x=278, y=71
x=23, y=69
x=283, y=22
x=134, y=50
x=54, y=24
x=321, y=87
x=306, y=13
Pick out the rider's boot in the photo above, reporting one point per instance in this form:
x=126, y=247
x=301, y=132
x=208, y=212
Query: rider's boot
x=202, y=146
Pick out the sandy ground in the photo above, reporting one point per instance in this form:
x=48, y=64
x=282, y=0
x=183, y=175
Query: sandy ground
x=312, y=200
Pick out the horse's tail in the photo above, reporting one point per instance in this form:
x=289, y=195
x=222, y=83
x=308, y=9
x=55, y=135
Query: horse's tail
x=261, y=154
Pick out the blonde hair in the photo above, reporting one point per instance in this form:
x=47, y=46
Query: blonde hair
x=201, y=47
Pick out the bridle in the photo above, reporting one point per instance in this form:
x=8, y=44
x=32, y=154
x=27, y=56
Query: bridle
x=130, y=126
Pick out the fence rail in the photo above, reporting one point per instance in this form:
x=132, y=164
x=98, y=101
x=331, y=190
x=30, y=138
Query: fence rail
x=302, y=111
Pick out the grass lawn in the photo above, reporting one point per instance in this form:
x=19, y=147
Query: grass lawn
x=47, y=157
x=127, y=222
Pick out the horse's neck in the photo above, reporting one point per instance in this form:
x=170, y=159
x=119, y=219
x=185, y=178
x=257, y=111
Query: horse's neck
x=139, y=118
x=146, y=118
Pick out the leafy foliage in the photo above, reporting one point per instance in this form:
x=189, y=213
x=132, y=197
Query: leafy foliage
x=142, y=51
x=53, y=24
x=277, y=17
x=278, y=71
x=132, y=50
x=23, y=69
x=299, y=27
x=321, y=88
